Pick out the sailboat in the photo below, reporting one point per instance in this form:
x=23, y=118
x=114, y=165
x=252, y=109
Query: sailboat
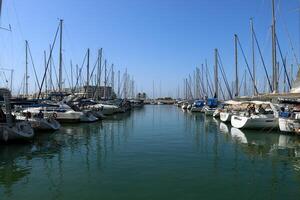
x=11, y=130
x=257, y=115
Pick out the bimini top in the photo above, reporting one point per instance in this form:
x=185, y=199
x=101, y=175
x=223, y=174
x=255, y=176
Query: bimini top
x=232, y=102
x=212, y=102
x=199, y=103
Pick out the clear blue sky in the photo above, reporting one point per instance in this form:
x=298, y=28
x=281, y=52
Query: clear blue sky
x=160, y=40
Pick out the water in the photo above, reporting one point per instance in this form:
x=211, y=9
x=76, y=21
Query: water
x=158, y=152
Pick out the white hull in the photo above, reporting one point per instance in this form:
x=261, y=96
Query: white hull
x=225, y=116
x=289, y=125
x=217, y=113
x=19, y=131
x=41, y=123
x=254, y=122
x=184, y=106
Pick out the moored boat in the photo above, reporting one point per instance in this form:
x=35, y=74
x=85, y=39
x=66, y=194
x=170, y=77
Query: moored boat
x=259, y=115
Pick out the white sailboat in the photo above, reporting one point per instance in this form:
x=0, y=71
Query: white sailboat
x=257, y=119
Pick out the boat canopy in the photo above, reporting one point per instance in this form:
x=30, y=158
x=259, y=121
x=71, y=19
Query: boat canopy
x=212, y=102
x=199, y=103
x=232, y=102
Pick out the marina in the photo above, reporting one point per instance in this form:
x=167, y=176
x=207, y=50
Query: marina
x=149, y=103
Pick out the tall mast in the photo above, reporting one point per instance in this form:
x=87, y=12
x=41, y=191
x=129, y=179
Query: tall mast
x=253, y=57
x=216, y=74
x=153, y=89
x=112, y=77
x=26, y=68
x=45, y=64
x=119, y=84
x=71, y=74
x=60, y=58
x=88, y=68
x=99, y=67
x=105, y=79
x=206, y=75
x=236, y=66
x=274, y=62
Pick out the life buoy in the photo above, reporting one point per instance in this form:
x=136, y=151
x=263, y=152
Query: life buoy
x=54, y=115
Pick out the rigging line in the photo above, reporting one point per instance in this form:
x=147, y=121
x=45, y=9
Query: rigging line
x=290, y=40
x=244, y=77
x=247, y=65
x=209, y=82
x=222, y=92
x=224, y=76
x=199, y=82
x=80, y=70
x=67, y=74
x=34, y=70
x=55, y=72
x=50, y=55
x=95, y=65
x=284, y=63
x=262, y=60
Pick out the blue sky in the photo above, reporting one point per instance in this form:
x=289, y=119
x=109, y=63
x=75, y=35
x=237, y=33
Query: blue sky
x=160, y=40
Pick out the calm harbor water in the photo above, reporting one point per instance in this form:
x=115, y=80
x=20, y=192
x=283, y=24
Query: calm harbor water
x=158, y=152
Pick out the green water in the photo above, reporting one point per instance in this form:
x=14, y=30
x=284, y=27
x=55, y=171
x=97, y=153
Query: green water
x=158, y=152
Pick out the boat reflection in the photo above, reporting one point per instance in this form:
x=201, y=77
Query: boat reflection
x=224, y=128
x=93, y=142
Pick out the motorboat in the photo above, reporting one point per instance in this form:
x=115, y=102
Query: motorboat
x=106, y=109
x=10, y=129
x=39, y=123
x=197, y=106
x=61, y=112
x=259, y=115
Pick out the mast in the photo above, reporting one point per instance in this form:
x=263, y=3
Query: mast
x=45, y=64
x=60, y=57
x=26, y=68
x=71, y=74
x=105, y=79
x=206, y=75
x=153, y=89
x=216, y=74
x=112, y=79
x=119, y=84
x=274, y=62
x=99, y=67
x=236, y=66
x=88, y=68
x=253, y=57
